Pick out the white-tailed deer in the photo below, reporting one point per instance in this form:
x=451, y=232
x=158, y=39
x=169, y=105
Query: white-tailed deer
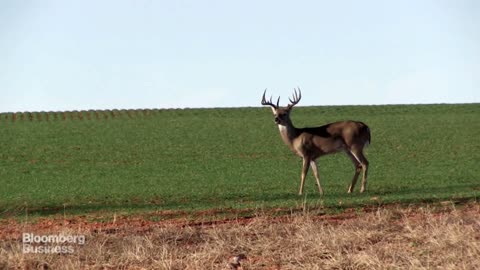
x=313, y=142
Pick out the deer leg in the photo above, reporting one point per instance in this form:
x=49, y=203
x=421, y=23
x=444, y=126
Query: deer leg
x=313, y=164
x=365, y=172
x=306, y=164
x=358, y=168
x=364, y=163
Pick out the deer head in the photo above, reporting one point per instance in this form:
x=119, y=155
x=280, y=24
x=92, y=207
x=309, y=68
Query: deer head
x=282, y=115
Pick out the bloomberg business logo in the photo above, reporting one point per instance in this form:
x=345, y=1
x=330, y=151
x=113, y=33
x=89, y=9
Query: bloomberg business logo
x=53, y=243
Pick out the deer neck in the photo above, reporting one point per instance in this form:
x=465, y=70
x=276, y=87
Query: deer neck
x=288, y=133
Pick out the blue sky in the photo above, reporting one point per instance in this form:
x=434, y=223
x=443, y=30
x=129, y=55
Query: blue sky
x=73, y=55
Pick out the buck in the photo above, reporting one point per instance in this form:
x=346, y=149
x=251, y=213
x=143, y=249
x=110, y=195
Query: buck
x=310, y=143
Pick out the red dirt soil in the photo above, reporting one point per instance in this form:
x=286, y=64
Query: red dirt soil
x=108, y=223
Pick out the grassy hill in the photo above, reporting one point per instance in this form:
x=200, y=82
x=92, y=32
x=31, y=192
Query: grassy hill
x=198, y=159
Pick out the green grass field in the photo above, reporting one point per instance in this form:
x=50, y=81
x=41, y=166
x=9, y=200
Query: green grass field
x=199, y=159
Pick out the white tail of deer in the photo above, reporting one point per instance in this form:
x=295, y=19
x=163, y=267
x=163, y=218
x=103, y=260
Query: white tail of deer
x=313, y=142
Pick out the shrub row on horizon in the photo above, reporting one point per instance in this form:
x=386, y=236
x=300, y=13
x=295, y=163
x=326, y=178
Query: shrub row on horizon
x=76, y=115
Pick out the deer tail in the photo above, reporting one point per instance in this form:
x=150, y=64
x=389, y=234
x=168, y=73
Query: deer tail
x=369, y=137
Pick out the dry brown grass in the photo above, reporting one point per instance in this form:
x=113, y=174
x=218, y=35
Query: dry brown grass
x=394, y=238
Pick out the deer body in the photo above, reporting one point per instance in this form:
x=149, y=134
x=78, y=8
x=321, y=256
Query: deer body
x=318, y=141
x=313, y=142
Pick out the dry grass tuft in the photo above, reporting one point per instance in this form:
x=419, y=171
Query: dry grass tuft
x=384, y=239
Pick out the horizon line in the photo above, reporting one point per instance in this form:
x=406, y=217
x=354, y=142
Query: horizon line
x=229, y=107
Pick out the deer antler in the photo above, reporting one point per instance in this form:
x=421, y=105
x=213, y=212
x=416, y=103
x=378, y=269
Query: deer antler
x=265, y=102
x=296, y=98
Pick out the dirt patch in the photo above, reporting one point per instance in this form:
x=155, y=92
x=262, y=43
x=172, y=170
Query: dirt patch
x=444, y=236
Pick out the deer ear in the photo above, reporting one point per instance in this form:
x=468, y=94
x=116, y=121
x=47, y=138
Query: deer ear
x=273, y=110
